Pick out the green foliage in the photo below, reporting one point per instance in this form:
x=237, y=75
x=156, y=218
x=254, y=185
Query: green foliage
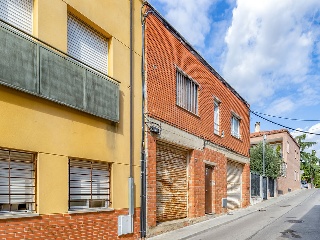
x=309, y=161
x=272, y=160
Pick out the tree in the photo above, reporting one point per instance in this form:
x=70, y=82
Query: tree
x=273, y=160
x=309, y=161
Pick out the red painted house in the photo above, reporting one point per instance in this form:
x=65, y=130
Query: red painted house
x=198, y=136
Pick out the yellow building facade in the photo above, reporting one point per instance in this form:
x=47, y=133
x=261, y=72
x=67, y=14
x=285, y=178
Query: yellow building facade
x=65, y=129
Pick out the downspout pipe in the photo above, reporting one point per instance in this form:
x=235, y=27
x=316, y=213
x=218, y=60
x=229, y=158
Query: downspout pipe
x=143, y=201
x=143, y=204
x=131, y=180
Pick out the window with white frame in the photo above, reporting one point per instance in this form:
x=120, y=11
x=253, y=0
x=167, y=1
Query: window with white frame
x=187, y=92
x=283, y=169
x=17, y=13
x=235, y=126
x=89, y=184
x=86, y=44
x=17, y=181
x=216, y=117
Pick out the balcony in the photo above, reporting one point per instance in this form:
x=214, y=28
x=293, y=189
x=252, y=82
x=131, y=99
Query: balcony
x=31, y=66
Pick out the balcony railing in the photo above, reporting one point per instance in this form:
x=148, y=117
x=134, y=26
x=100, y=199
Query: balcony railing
x=31, y=66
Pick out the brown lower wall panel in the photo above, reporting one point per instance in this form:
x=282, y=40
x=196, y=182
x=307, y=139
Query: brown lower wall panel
x=102, y=225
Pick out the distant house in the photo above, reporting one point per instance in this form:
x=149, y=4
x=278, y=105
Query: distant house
x=290, y=151
x=198, y=132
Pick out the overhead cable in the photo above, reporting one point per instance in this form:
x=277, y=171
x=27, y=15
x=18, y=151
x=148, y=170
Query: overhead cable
x=293, y=119
x=293, y=129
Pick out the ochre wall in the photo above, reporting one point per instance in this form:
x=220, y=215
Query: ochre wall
x=57, y=132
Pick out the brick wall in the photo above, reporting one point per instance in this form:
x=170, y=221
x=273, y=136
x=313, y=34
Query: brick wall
x=164, y=52
x=196, y=181
x=246, y=185
x=102, y=225
x=151, y=181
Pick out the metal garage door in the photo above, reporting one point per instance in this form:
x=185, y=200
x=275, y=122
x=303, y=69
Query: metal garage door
x=234, y=171
x=171, y=182
x=17, y=13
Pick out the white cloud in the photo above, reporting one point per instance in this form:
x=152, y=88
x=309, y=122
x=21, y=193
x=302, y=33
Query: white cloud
x=311, y=137
x=269, y=44
x=281, y=105
x=191, y=18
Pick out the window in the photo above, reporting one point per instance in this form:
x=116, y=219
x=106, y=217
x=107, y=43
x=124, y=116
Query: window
x=288, y=147
x=216, y=117
x=283, y=169
x=17, y=181
x=86, y=44
x=235, y=126
x=187, y=93
x=17, y=13
x=89, y=184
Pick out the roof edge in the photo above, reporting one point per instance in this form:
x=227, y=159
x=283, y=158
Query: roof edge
x=194, y=52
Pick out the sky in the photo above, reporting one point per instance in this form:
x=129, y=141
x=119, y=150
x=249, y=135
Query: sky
x=267, y=50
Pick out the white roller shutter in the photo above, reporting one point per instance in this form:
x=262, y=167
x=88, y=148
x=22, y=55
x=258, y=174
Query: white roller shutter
x=17, y=13
x=17, y=181
x=88, y=180
x=234, y=172
x=87, y=45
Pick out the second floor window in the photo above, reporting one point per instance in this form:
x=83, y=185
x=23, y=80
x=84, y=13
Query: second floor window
x=187, y=93
x=235, y=126
x=216, y=118
x=17, y=13
x=86, y=44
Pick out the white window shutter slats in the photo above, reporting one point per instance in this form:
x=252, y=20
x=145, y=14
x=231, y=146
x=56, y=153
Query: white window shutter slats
x=87, y=45
x=17, y=180
x=17, y=13
x=88, y=181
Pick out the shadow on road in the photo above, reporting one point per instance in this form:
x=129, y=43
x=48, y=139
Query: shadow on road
x=307, y=227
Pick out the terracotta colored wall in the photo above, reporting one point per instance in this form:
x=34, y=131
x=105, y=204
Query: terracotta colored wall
x=196, y=181
x=97, y=226
x=164, y=52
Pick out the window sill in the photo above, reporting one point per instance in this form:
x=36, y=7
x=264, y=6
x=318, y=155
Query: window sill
x=190, y=112
x=90, y=210
x=218, y=135
x=238, y=138
x=17, y=215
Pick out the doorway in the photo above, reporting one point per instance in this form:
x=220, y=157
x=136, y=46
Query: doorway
x=209, y=183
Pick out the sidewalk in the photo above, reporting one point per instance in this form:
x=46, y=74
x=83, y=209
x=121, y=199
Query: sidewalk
x=190, y=231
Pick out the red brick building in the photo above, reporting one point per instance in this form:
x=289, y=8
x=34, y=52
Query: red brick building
x=198, y=135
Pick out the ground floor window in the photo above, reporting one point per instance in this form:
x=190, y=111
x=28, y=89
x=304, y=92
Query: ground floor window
x=17, y=181
x=89, y=184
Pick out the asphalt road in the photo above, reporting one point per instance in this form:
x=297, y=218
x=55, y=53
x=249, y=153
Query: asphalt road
x=298, y=217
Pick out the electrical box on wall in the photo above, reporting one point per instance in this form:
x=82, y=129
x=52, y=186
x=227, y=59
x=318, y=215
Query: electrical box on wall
x=224, y=202
x=125, y=224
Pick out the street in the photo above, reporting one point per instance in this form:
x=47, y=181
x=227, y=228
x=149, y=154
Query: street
x=297, y=217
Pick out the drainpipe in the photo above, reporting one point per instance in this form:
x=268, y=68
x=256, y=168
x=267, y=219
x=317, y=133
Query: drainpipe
x=131, y=183
x=143, y=206
x=125, y=222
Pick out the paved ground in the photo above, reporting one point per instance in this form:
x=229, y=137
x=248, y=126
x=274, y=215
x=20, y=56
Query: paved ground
x=295, y=215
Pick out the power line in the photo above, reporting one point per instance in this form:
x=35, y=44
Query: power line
x=293, y=129
x=293, y=119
